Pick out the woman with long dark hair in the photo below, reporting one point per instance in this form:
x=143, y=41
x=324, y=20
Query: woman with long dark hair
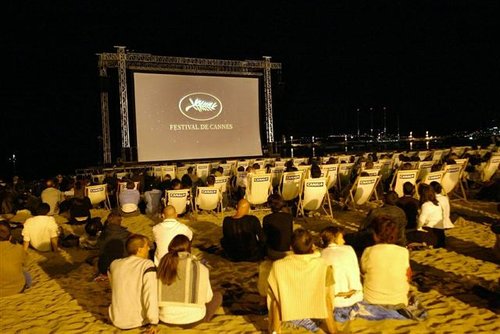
x=430, y=218
x=185, y=293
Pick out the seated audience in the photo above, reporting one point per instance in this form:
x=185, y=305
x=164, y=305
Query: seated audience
x=185, y=295
x=111, y=243
x=41, y=232
x=278, y=228
x=13, y=278
x=52, y=196
x=243, y=239
x=300, y=288
x=152, y=198
x=129, y=198
x=134, y=296
x=165, y=231
x=431, y=216
x=348, y=288
x=410, y=205
x=386, y=273
x=93, y=229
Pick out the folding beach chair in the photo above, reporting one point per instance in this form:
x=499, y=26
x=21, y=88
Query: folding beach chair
x=314, y=196
x=402, y=176
x=223, y=184
x=180, y=199
x=227, y=169
x=208, y=199
x=424, y=168
x=344, y=175
x=433, y=176
x=490, y=168
x=437, y=156
x=121, y=175
x=181, y=171
x=422, y=155
x=98, y=178
x=98, y=194
x=363, y=189
x=276, y=173
x=332, y=171
x=452, y=180
x=258, y=189
x=290, y=186
x=202, y=171
x=168, y=170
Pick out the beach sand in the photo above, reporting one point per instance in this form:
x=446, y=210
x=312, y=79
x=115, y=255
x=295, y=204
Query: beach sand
x=459, y=286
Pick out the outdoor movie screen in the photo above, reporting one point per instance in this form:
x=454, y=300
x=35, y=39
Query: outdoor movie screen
x=183, y=117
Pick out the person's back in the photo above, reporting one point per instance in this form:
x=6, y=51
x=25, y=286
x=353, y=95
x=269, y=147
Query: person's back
x=243, y=238
x=134, y=301
x=409, y=205
x=41, y=232
x=52, y=196
x=12, y=278
x=129, y=195
x=111, y=242
x=348, y=288
x=277, y=228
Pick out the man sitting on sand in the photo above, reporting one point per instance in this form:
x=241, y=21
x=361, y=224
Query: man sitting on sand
x=52, y=196
x=134, y=292
x=13, y=279
x=165, y=231
x=300, y=287
x=243, y=238
x=129, y=198
x=41, y=232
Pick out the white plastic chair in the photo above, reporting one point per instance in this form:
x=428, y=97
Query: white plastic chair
x=314, y=196
x=179, y=199
x=290, y=185
x=258, y=189
x=98, y=194
x=363, y=189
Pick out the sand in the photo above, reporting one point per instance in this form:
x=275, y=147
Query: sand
x=459, y=286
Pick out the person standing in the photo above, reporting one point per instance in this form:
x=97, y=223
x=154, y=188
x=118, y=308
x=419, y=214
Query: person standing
x=134, y=292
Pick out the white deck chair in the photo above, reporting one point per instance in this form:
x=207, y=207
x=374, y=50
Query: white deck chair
x=227, y=169
x=344, y=175
x=424, y=168
x=121, y=175
x=371, y=171
x=222, y=183
x=490, y=168
x=98, y=194
x=298, y=161
x=452, y=180
x=181, y=171
x=258, y=189
x=98, y=178
x=208, y=199
x=157, y=172
x=170, y=170
x=363, y=189
x=180, y=199
x=437, y=156
x=242, y=163
x=422, y=155
x=433, y=176
x=290, y=185
x=202, y=171
x=276, y=173
x=279, y=164
x=401, y=177
x=314, y=196
x=332, y=174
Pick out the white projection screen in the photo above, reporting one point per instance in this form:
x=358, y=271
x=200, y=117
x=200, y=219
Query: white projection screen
x=184, y=117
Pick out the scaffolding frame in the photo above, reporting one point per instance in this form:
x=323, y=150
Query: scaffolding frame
x=124, y=60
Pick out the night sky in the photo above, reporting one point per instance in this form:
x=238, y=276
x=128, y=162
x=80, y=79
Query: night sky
x=433, y=64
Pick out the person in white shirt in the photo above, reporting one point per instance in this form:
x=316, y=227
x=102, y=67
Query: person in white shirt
x=41, y=231
x=134, y=288
x=165, y=231
x=430, y=219
x=348, y=289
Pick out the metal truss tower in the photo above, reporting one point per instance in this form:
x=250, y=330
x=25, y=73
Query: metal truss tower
x=123, y=61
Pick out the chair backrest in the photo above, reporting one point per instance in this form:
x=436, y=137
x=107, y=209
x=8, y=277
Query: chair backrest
x=424, y=168
x=363, y=189
x=221, y=183
x=313, y=193
x=433, y=176
x=258, y=189
x=179, y=199
x=279, y=163
x=403, y=176
x=97, y=194
x=123, y=185
x=437, y=156
x=386, y=166
x=227, y=169
x=451, y=177
x=260, y=171
x=332, y=174
x=276, y=173
x=344, y=174
x=121, y=175
x=242, y=163
x=208, y=198
x=298, y=161
x=181, y=171
x=202, y=171
x=372, y=171
x=491, y=167
x=170, y=170
x=98, y=178
x=291, y=183
x=423, y=155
